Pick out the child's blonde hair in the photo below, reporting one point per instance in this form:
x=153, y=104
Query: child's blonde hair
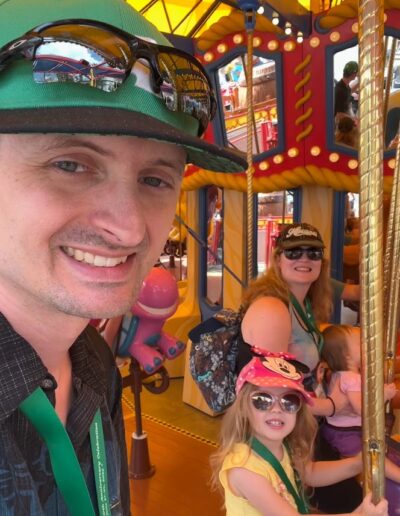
x=236, y=428
x=335, y=350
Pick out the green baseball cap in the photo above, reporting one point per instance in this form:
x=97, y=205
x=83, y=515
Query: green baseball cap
x=133, y=109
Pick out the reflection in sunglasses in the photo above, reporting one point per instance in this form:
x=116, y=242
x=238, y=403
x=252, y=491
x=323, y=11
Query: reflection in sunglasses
x=289, y=402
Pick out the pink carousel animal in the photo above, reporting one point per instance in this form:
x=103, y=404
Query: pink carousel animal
x=145, y=340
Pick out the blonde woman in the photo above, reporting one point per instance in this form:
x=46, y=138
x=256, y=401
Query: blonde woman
x=284, y=307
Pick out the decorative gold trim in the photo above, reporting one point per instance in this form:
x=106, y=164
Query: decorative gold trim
x=287, y=179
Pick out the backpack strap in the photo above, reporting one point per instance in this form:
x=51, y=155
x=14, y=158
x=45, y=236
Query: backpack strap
x=263, y=452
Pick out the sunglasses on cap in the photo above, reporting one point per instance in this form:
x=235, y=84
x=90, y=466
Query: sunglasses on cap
x=99, y=55
x=313, y=253
x=289, y=402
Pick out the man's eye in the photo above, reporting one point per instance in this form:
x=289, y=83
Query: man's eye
x=69, y=166
x=154, y=181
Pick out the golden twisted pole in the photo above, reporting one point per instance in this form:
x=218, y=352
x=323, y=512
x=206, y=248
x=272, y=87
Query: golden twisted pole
x=388, y=77
x=371, y=25
x=392, y=274
x=249, y=174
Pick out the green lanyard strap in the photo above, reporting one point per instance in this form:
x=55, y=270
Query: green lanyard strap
x=263, y=452
x=100, y=464
x=66, y=468
x=308, y=318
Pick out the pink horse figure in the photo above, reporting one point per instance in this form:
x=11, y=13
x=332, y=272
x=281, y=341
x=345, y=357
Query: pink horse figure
x=145, y=340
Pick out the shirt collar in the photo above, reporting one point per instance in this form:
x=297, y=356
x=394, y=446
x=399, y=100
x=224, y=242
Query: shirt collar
x=22, y=370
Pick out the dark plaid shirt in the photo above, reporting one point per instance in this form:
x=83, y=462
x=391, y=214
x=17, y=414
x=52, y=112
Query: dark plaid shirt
x=27, y=486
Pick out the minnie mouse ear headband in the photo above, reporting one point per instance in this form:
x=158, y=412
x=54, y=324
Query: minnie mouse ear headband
x=272, y=371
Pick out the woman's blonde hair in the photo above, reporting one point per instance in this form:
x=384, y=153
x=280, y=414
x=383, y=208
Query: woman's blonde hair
x=236, y=428
x=272, y=284
x=335, y=350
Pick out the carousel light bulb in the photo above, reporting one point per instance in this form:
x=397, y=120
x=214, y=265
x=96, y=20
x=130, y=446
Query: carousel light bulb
x=275, y=18
x=260, y=10
x=299, y=38
x=288, y=28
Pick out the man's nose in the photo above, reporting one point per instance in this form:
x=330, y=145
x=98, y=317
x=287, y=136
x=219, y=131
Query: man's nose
x=120, y=214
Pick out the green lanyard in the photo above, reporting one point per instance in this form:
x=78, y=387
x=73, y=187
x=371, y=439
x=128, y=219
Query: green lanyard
x=263, y=452
x=66, y=468
x=308, y=318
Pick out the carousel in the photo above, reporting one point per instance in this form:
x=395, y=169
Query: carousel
x=274, y=65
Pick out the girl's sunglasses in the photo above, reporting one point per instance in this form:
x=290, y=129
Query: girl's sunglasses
x=313, y=253
x=99, y=55
x=289, y=402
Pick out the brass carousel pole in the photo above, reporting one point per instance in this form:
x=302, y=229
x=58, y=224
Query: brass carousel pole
x=388, y=75
x=392, y=254
x=250, y=8
x=392, y=274
x=371, y=25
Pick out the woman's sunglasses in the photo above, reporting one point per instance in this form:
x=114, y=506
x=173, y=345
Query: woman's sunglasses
x=289, y=402
x=313, y=253
x=99, y=55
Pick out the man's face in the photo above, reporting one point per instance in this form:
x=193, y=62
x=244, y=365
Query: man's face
x=82, y=219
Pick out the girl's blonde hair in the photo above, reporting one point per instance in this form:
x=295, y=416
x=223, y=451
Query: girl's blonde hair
x=272, y=284
x=335, y=350
x=236, y=428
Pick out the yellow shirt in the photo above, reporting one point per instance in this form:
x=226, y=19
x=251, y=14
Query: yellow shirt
x=243, y=457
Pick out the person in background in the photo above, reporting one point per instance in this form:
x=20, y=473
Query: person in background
x=347, y=132
x=93, y=135
x=343, y=93
x=342, y=354
x=345, y=291
x=282, y=308
x=264, y=463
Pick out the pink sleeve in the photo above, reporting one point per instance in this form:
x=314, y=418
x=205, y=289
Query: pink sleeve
x=350, y=382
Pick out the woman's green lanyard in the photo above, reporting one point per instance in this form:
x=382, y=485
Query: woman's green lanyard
x=263, y=452
x=308, y=319
x=66, y=468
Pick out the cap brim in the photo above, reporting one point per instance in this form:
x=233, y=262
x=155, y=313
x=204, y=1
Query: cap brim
x=110, y=121
x=299, y=243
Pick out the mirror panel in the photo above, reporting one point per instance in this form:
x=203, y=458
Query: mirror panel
x=233, y=90
x=346, y=92
x=214, y=199
x=274, y=209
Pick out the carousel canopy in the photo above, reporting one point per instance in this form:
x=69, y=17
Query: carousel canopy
x=191, y=18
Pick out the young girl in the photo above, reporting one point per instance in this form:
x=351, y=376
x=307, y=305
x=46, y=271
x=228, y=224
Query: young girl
x=342, y=353
x=267, y=442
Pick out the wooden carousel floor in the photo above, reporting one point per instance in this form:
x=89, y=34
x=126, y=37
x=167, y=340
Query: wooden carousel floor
x=179, y=486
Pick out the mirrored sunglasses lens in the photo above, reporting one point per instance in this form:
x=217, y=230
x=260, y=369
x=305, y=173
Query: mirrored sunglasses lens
x=291, y=403
x=262, y=401
x=315, y=254
x=185, y=87
x=71, y=62
x=85, y=55
x=293, y=254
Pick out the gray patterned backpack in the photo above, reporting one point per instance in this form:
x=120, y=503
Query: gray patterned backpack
x=213, y=358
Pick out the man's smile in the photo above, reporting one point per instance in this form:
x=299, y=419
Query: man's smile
x=94, y=259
